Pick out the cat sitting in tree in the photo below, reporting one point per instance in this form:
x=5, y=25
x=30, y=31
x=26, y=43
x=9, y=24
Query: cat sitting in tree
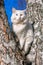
x=23, y=29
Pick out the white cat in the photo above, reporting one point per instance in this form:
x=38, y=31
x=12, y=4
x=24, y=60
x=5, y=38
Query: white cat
x=22, y=28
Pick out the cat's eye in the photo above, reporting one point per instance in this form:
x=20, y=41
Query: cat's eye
x=16, y=14
x=20, y=14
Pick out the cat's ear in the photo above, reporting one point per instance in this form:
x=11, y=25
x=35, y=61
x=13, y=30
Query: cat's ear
x=13, y=10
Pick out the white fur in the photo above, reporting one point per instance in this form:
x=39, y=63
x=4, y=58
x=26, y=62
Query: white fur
x=23, y=31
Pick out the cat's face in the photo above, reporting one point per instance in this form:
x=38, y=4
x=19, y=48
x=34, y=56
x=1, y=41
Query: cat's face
x=18, y=16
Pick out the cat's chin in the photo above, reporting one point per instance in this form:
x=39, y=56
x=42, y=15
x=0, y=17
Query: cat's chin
x=15, y=22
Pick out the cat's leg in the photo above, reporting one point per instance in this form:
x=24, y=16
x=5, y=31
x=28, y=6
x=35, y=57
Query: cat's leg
x=22, y=41
x=29, y=40
x=27, y=46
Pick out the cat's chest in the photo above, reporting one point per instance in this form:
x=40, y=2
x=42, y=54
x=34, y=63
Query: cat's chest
x=18, y=28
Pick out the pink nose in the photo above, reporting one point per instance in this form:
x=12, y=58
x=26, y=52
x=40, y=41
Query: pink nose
x=19, y=18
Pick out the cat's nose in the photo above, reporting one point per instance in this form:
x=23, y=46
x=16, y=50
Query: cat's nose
x=19, y=18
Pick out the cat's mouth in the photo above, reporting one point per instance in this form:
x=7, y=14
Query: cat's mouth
x=19, y=21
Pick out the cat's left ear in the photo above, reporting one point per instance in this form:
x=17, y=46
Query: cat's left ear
x=13, y=10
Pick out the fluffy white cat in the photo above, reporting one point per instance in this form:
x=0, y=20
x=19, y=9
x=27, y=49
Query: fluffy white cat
x=22, y=28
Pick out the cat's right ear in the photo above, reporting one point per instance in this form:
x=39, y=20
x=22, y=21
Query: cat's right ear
x=13, y=10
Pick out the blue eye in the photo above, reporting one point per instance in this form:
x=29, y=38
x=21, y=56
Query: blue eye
x=17, y=14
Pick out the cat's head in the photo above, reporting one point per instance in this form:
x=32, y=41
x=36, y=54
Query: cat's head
x=18, y=15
